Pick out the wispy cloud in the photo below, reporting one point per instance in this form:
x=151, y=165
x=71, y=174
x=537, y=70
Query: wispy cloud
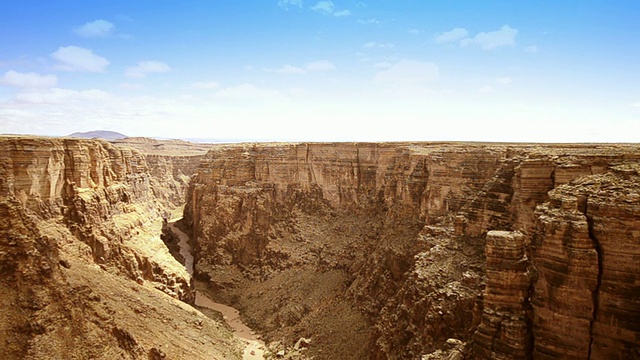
x=373, y=21
x=97, y=28
x=290, y=69
x=505, y=80
x=361, y=5
x=373, y=44
x=452, y=35
x=321, y=65
x=342, y=13
x=383, y=65
x=145, y=67
x=75, y=58
x=205, y=85
x=61, y=96
x=415, y=31
x=326, y=7
x=329, y=8
x=486, y=89
x=285, y=4
x=505, y=36
x=314, y=66
x=531, y=49
x=250, y=92
x=408, y=72
x=130, y=86
x=28, y=80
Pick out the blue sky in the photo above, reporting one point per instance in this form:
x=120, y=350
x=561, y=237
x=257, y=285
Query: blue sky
x=301, y=70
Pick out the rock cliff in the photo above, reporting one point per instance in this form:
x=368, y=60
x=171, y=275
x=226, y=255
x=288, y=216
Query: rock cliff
x=84, y=272
x=415, y=235
x=586, y=250
x=105, y=196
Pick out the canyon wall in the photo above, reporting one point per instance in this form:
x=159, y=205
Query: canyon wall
x=106, y=196
x=428, y=242
x=81, y=257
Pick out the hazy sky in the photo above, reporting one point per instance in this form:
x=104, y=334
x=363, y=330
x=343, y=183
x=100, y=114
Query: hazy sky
x=323, y=70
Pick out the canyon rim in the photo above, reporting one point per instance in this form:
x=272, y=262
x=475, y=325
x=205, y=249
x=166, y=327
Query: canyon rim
x=329, y=250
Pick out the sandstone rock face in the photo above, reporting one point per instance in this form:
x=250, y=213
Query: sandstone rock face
x=103, y=193
x=506, y=317
x=586, y=254
x=391, y=217
x=81, y=261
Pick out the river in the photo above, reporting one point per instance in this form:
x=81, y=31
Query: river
x=254, y=348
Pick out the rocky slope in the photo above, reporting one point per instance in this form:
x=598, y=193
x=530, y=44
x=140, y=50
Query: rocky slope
x=397, y=250
x=84, y=272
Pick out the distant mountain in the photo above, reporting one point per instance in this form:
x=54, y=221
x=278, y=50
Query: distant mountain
x=100, y=134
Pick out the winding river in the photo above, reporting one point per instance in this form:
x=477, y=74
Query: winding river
x=254, y=348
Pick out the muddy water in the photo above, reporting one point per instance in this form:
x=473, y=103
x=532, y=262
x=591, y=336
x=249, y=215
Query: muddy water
x=254, y=348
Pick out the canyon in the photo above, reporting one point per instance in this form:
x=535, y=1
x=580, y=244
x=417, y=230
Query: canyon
x=329, y=250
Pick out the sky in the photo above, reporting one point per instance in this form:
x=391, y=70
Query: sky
x=307, y=70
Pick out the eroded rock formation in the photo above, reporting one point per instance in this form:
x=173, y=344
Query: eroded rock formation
x=586, y=254
x=427, y=241
x=103, y=193
x=81, y=261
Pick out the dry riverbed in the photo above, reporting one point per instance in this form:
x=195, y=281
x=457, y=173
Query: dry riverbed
x=255, y=348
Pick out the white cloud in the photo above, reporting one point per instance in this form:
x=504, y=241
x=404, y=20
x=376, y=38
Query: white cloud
x=369, y=21
x=408, y=72
x=147, y=67
x=505, y=80
x=362, y=57
x=250, y=92
x=75, y=58
x=342, y=13
x=326, y=7
x=505, y=36
x=317, y=66
x=531, y=49
x=415, y=31
x=131, y=86
x=636, y=104
x=296, y=91
x=28, y=80
x=320, y=65
x=486, y=89
x=290, y=69
x=383, y=65
x=361, y=5
x=205, y=85
x=329, y=8
x=98, y=28
x=57, y=96
x=286, y=3
x=452, y=35
x=373, y=44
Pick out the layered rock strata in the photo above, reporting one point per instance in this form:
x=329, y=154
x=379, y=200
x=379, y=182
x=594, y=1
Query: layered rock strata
x=82, y=261
x=587, y=248
x=506, y=316
x=103, y=194
x=258, y=211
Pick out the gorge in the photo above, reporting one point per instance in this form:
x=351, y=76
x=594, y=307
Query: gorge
x=329, y=250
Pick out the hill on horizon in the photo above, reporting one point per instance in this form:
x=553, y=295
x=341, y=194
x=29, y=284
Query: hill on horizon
x=100, y=134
